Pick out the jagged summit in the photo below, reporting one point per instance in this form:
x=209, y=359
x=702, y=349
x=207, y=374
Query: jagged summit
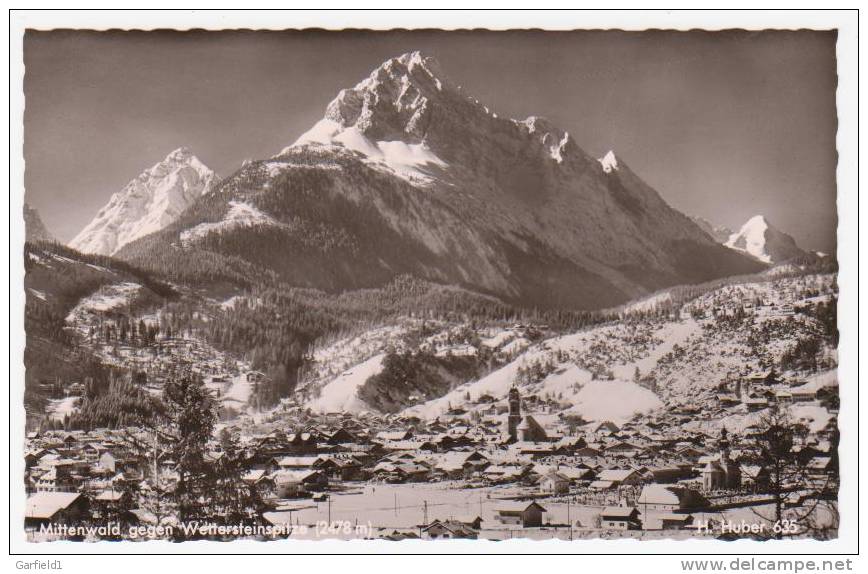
x=407, y=117
x=148, y=203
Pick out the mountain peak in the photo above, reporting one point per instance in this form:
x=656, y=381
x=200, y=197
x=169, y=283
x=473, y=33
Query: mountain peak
x=756, y=220
x=406, y=114
x=759, y=238
x=183, y=153
x=394, y=98
x=147, y=203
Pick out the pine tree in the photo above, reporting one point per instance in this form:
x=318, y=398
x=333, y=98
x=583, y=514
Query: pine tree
x=190, y=415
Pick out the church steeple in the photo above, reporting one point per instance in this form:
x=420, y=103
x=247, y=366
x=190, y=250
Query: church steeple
x=724, y=446
x=514, y=418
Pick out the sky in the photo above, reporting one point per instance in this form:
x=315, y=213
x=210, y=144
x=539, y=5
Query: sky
x=724, y=125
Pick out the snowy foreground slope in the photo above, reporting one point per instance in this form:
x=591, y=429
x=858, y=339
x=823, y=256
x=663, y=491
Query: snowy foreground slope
x=644, y=362
x=147, y=204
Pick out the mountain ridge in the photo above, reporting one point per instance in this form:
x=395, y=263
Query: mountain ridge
x=407, y=174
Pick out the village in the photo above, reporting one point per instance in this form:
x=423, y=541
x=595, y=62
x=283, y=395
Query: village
x=505, y=461
x=450, y=480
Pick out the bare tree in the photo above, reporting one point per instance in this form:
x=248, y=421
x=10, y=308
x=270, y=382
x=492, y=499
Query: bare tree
x=803, y=503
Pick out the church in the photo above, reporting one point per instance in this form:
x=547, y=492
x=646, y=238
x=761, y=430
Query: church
x=522, y=428
x=723, y=474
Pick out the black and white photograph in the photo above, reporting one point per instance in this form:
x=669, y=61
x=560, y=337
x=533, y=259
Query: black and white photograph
x=353, y=284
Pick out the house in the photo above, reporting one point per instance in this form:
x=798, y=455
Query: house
x=620, y=518
x=587, y=451
x=533, y=449
x=553, y=482
x=111, y=503
x=302, y=443
x=576, y=474
x=410, y=472
x=460, y=464
x=756, y=478
x=409, y=445
x=341, y=436
x=614, y=478
x=448, y=529
x=803, y=394
x=54, y=507
x=819, y=465
x=755, y=403
x=500, y=474
x=669, y=498
x=524, y=514
x=293, y=483
x=58, y=478
x=295, y=463
x=675, y=521
x=470, y=520
x=622, y=448
x=344, y=468
x=390, y=436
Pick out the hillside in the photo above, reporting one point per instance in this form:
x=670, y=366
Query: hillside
x=654, y=358
x=61, y=283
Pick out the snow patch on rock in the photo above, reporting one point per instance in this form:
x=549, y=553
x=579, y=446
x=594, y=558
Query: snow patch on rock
x=411, y=162
x=609, y=162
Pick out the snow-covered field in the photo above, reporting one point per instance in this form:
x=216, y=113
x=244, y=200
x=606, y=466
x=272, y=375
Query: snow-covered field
x=340, y=395
x=616, y=401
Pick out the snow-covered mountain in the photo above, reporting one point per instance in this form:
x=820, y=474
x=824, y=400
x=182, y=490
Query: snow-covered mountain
x=407, y=174
x=758, y=238
x=34, y=229
x=147, y=204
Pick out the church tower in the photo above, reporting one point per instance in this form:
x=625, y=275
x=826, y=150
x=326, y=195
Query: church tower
x=731, y=468
x=724, y=447
x=514, y=418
